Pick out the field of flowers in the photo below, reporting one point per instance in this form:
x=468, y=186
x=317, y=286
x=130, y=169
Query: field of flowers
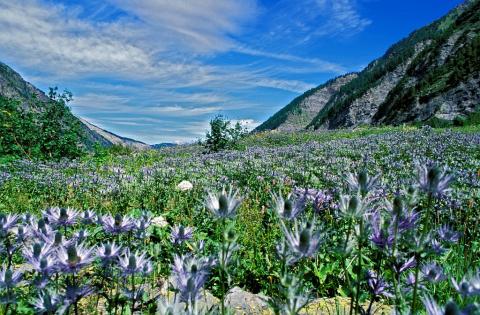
x=384, y=216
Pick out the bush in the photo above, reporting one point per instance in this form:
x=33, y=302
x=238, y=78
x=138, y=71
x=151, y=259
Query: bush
x=222, y=135
x=44, y=130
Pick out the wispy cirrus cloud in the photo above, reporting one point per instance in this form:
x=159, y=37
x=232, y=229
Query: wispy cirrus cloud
x=165, y=58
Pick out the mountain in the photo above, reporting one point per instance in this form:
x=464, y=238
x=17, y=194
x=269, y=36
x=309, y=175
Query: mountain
x=163, y=145
x=299, y=112
x=432, y=75
x=13, y=86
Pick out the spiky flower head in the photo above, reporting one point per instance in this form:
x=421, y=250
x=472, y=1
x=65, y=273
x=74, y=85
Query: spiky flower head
x=108, y=252
x=352, y=207
x=190, y=274
x=433, y=180
x=377, y=285
x=118, y=224
x=9, y=278
x=451, y=308
x=303, y=240
x=7, y=222
x=362, y=183
x=89, y=217
x=468, y=287
x=73, y=258
x=224, y=204
x=134, y=263
x=181, y=234
x=432, y=272
x=289, y=208
x=61, y=216
x=47, y=302
x=447, y=234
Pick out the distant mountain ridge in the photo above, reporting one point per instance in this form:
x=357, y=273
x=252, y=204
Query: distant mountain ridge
x=434, y=73
x=12, y=85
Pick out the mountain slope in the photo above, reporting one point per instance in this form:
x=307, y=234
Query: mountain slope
x=13, y=86
x=434, y=73
x=417, y=79
x=300, y=112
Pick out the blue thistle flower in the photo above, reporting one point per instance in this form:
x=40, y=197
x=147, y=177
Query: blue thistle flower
x=133, y=263
x=224, y=204
x=117, y=225
x=181, y=234
x=89, y=217
x=448, y=235
x=61, y=216
x=378, y=286
x=7, y=222
x=468, y=287
x=432, y=272
x=190, y=274
x=289, y=209
x=433, y=180
x=302, y=241
x=362, y=183
x=47, y=302
x=9, y=278
x=108, y=252
x=73, y=258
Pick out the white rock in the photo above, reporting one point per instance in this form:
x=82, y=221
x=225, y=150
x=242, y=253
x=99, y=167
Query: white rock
x=159, y=221
x=185, y=185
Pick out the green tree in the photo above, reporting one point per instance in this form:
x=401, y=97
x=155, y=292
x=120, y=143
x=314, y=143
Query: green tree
x=222, y=135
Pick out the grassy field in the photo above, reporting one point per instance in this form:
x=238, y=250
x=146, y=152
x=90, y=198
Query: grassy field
x=375, y=214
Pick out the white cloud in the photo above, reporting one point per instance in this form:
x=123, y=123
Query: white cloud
x=341, y=17
x=201, y=25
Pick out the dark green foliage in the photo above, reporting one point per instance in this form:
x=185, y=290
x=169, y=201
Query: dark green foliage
x=47, y=130
x=222, y=135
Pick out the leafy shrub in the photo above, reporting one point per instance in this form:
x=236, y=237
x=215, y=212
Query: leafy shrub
x=45, y=130
x=222, y=135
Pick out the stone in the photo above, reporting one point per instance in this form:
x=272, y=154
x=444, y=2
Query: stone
x=185, y=185
x=243, y=302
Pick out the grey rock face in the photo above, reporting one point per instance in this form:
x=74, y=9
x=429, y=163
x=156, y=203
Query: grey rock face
x=313, y=104
x=243, y=302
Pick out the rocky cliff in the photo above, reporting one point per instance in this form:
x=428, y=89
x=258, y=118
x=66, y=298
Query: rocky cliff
x=434, y=73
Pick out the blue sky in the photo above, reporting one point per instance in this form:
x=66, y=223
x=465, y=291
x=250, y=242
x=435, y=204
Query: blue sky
x=158, y=70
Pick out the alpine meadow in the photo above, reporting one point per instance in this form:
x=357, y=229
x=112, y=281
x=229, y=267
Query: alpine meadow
x=360, y=196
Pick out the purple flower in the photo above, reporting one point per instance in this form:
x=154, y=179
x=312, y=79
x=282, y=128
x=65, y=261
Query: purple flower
x=224, y=204
x=73, y=258
x=405, y=266
x=302, y=241
x=89, y=217
x=61, y=216
x=9, y=278
x=432, y=272
x=117, y=225
x=132, y=263
x=468, y=287
x=47, y=302
x=433, y=180
x=108, y=252
x=380, y=237
x=436, y=247
x=180, y=234
x=352, y=207
x=448, y=235
x=289, y=209
x=7, y=222
x=378, y=285
x=362, y=183
x=190, y=274
x=141, y=225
